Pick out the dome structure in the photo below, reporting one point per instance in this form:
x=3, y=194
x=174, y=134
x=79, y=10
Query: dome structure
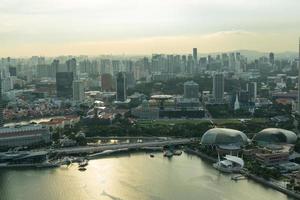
x=275, y=136
x=224, y=136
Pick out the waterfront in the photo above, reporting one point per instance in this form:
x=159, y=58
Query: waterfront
x=132, y=176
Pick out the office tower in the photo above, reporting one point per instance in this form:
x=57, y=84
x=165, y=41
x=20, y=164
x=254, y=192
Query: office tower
x=121, y=87
x=54, y=68
x=130, y=80
x=271, y=58
x=106, y=82
x=12, y=71
x=116, y=66
x=218, y=87
x=195, y=54
x=190, y=64
x=299, y=78
x=72, y=67
x=1, y=103
x=225, y=60
x=252, y=90
x=203, y=62
x=105, y=66
x=78, y=90
x=191, y=90
x=232, y=62
x=183, y=63
x=64, y=83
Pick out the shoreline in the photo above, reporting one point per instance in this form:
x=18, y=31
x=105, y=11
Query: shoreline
x=251, y=176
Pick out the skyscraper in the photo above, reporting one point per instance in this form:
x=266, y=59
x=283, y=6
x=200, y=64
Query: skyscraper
x=195, y=54
x=64, y=83
x=72, y=67
x=106, y=82
x=121, y=87
x=271, y=58
x=252, y=90
x=191, y=90
x=299, y=78
x=78, y=90
x=1, y=103
x=218, y=87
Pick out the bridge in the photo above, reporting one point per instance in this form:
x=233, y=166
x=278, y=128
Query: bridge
x=127, y=138
x=100, y=148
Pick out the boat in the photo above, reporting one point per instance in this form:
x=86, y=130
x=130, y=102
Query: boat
x=81, y=168
x=168, y=153
x=177, y=152
x=84, y=163
x=66, y=161
x=230, y=164
x=152, y=155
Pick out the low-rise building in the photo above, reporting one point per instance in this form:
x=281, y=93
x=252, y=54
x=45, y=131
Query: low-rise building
x=24, y=136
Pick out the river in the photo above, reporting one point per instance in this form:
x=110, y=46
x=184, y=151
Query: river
x=132, y=177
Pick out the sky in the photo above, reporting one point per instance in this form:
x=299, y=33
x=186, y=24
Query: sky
x=94, y=27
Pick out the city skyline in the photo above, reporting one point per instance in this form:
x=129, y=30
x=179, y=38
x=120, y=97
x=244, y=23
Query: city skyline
x=51, y=28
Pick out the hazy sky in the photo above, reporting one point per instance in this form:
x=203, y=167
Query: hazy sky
x=54, y=27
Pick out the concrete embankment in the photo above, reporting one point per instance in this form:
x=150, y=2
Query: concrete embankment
x=274, y=186
x=251, y=176
x=201, y=155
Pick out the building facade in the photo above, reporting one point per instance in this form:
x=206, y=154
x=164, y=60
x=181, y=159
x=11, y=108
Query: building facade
x=121, y=87
x=218, y=87
x=78, y=90
x=24, y=136
x=64, y=83
x=191, y=90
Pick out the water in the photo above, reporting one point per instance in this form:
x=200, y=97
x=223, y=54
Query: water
x=132, y=177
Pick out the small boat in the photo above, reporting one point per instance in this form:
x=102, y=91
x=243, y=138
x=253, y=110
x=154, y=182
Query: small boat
x=168, y=153
x=66, y=161
x=152, y=155
x=84, y=163
x=177, y=152
x=81, y=168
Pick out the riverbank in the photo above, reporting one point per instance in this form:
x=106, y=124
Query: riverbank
x=273, y=185
x=201, y=155
x=251, y=176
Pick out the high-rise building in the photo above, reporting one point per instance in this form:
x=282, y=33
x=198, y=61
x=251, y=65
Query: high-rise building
x=252, y=91
x=72, y=67
x=121, y=87
x=54, y=68
x=1, y=103
x=232, y=61
x=106, y=82
x=12, y=71
x=299, y=78
x=64, y=83
x=191, y=90
x=218, y=87
x=272, y=58
x=195, y=54
x=78, y=90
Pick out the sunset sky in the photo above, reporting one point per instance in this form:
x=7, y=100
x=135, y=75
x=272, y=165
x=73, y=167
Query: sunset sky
x=56, y=27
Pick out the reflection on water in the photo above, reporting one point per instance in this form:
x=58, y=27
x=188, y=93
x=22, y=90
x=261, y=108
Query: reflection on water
x=132, y=177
